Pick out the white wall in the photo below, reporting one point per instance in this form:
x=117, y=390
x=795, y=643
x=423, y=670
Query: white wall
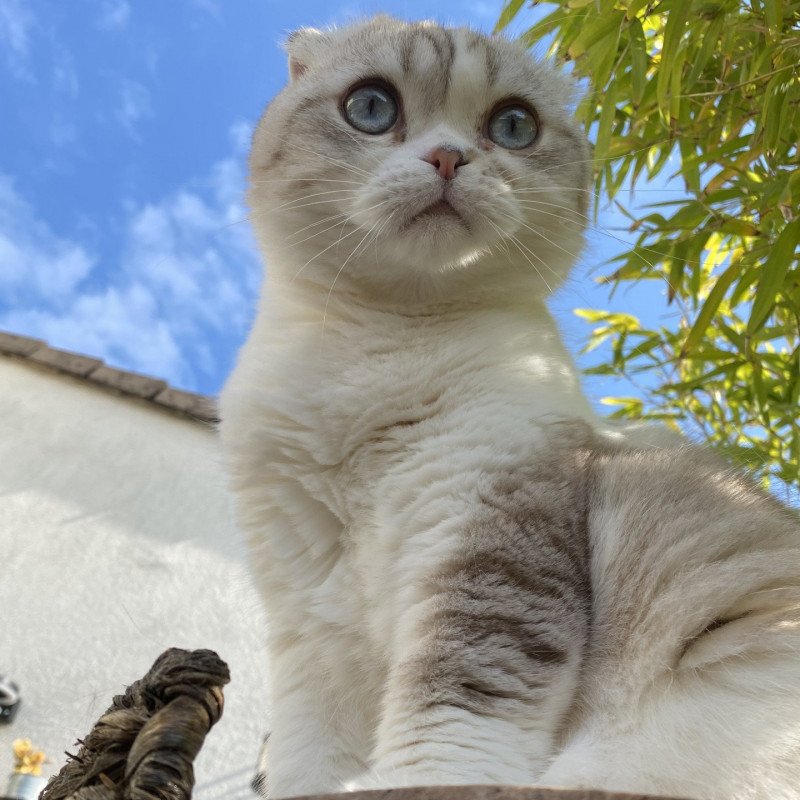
x=116, y=542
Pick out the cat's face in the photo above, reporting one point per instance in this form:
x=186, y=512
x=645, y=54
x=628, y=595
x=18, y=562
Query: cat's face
x=407, y=153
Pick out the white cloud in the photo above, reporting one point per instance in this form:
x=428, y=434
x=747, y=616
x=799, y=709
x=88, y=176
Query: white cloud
x=241, y=134
x=175, y=245
x=16, y=23
x=114, y=15
x=185, y=279
x=65, y=75
x=34, y=262
x=119, y=324
x=134, y=105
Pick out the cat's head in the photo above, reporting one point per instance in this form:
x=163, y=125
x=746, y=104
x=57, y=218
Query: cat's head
x=405, y=155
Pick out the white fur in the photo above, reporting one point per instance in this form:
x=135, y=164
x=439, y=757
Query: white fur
x=354, y=523
x=347, y=508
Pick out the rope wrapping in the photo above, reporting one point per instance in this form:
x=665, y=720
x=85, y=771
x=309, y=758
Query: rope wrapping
x=144, y=746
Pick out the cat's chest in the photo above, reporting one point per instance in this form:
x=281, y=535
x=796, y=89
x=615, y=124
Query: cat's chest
x=361, y=399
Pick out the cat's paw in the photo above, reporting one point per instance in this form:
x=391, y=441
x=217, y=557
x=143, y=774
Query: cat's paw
x=364, y=783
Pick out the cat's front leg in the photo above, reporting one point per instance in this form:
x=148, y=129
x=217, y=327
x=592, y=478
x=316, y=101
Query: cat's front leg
x=317, y=729
x=317, y=741
x=478, y=700
x=487, y=655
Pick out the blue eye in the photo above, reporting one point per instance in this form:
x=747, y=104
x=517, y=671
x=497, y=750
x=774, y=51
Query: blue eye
x=370, y=108
x=513, y=127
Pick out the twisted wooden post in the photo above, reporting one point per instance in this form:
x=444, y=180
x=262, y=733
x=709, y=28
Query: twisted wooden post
x=144, y=746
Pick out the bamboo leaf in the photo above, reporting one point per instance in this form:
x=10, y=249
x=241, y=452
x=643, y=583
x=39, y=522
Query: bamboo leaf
x=508, y=13
x=634, y=7
x=710, y=306
x=773, y=274
x=710, y=41
x=639, y=60
x=545, y=27
x=773, y=14
x=706, y=92
x=671, y=62
x=595, y=30
x=606, y=121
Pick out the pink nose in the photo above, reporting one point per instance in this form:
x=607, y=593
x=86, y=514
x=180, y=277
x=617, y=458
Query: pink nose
x=445, y=160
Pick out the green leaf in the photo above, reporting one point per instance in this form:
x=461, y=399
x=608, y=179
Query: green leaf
x=545, y=27
x=697, y=383
x=773, y=274
x=710, y=306
x=596, y=29
x=770, y=121
x=508, y=13
x=671, y=66
x=722, y=75
x=606, y=121
x=634, y=7
x=604, y=54
x=710, y=41
x=740, y=227
x=773, y=14
x=676, y=269
x=639, y=60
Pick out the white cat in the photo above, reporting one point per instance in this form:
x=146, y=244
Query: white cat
x=468, y=578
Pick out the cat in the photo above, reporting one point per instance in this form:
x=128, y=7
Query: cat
x=469, y=576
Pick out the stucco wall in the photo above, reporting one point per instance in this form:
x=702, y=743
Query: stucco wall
x=116, y=542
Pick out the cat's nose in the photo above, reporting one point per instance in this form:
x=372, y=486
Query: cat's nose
x=445, y=160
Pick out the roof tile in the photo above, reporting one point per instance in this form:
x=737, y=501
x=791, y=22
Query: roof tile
x=18, y=345
x=64, y=361
x=128, y=382
x=92, y=370
x=195, y=405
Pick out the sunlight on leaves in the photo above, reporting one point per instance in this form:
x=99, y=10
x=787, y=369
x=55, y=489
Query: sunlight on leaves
x=711, y=87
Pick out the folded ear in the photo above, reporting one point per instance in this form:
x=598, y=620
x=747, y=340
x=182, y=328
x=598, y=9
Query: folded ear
x=302, y=45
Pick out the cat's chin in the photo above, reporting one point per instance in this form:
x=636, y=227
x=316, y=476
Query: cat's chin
x=431, y=218
x=439, y=239
x=433, y=247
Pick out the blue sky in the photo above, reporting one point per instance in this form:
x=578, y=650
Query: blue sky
x=123, y=131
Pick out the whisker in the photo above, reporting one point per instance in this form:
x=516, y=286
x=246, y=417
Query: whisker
x=519, y=246
x=539, y=233
x=545, y=189
x=318, y=222
x=325, y=250
x=248, y=218
x=538, y=204
x=326, y=219
x=378, y=233
x=290, y=203
x=598, y=160
x=336, y=277
x=330, y=227
x=512, y=179
x=605, y=231
x=343, y=164
x=269, y=211
x=341, y=220
x=304, y=180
